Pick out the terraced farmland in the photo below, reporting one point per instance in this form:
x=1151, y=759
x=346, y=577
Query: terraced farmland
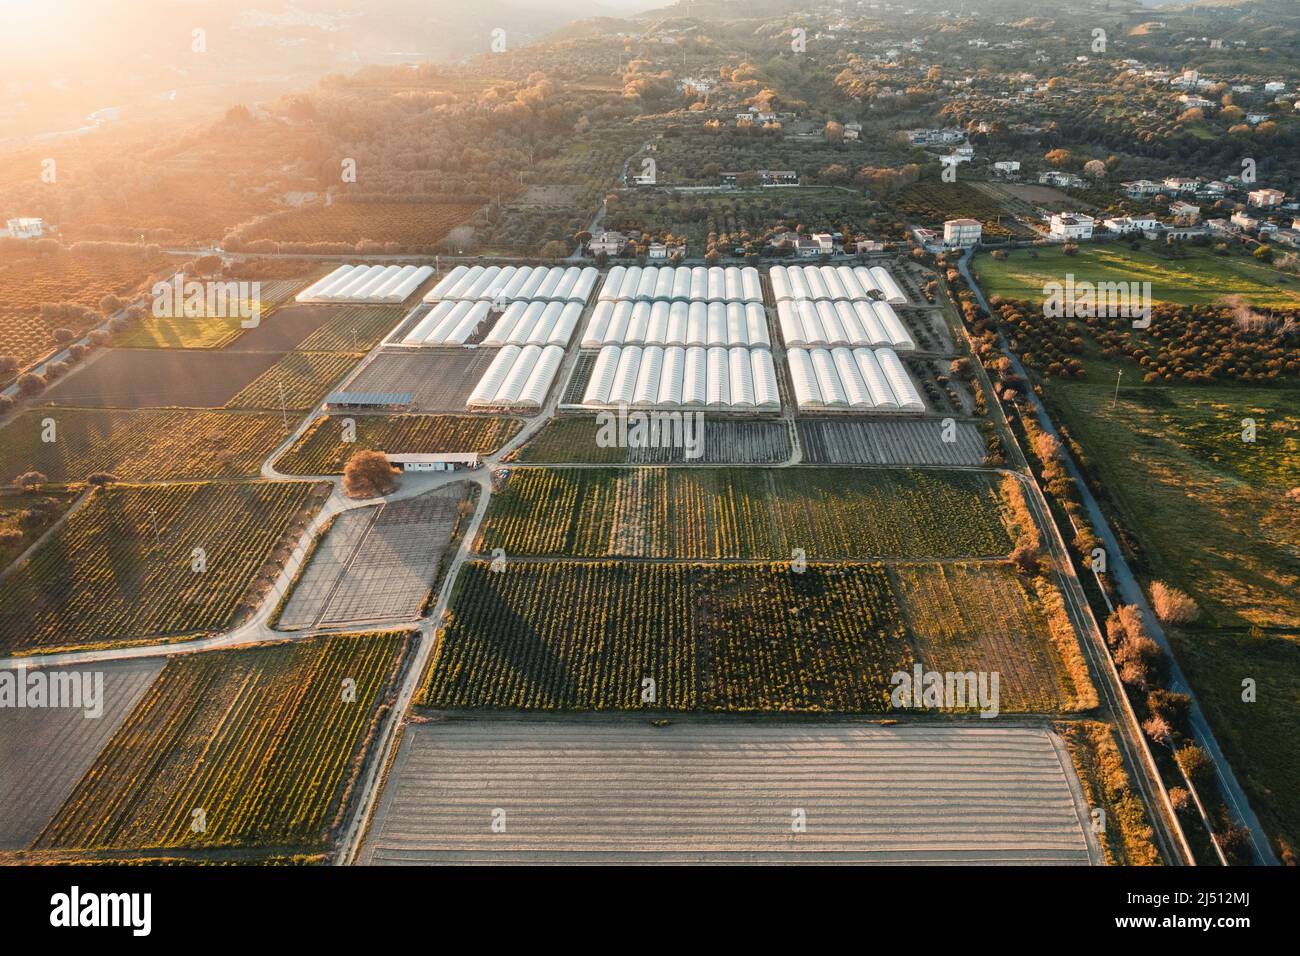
x=828, y=514
x=709, y=637
x=720, y=443
x=888, y=443
x=144, y=445
x=123, y=568
x=321, y=450
x=594, y=790
x=264, y=742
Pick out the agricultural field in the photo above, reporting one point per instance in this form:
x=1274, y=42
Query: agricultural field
x=1213, y=518
x=298, y=381
x=408, y=224
x=741, y=638
x=79, y=277
x=25, y=516
x=376, y=563
x=263, y=741
x=158, y=378
x=124, y=569
x=206, y=332
x=45, y=751
x=1198, y=277
x=573, y=439
x=439, y=380
x=578, y=791
x=825, y=442
x=930, y=203
x=321, y=450
x=985, y=617
x=144, y=445
x=827, y=513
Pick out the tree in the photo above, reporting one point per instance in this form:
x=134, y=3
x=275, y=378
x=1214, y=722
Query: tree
x=1095, y=168
x=368, y=475
x=30, y=384
x=101, y=478
x=8, y=364
x=555, y=249
x=1196, y=765
x=1059, y=158
x=30, y=480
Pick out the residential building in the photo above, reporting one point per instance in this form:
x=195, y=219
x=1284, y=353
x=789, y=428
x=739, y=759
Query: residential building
x=661, y=250
x=960, y=233
x=1266, y=198
x=1245, y=221
x=1071, y=225
x=1186, y=212
x=1007, y=167
x=1138, y=188
x=26, y=228
x=807, y=248
x=825, y=241
x=610, y=243
x=1181, y=184
x=1123, y=225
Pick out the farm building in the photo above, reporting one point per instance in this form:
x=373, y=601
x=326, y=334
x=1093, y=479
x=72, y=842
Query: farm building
x=857, y=378
x=809, y=324
x=734, y=379
x=677, y=323
x=373, y=400
x=503, y=285
x=367, y=285
x=682, y=284
x=449, y=461
x=519, y=377
x=835, y=283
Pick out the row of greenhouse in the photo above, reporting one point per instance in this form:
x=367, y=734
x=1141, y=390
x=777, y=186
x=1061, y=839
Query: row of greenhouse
x=522, y=323
x=677, y=323
x=366, y=285
x=836, y=283
x=505, y=284
x=518, y=377
x=682, y=284
x=808, y=324
x=736, y=378
x=852, y=378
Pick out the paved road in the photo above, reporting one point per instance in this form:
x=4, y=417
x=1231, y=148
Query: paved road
x=1131, y=592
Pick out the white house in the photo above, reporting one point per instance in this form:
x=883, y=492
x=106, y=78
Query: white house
x=1187, y=211
x=1181, y=184
x=825, y=242
x=1138, y=188
x=960, y=233
x=26, y=228
x=1126, y=224
x=1071, y=225
x=610, y=243
x=1245, y=221
x=453, y=461
x=1274, y=86
x=1007, y=166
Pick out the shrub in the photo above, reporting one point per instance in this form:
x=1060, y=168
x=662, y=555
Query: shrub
x=31, y=479
x=1196, y=765
x=1171, y=605
x=30, y=384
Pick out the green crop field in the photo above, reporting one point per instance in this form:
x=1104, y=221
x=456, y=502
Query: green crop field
x=257, y=747
x=124, y=569
x=1213, y=516
x=708, y=637
x=1202, y=278
x=827, y=513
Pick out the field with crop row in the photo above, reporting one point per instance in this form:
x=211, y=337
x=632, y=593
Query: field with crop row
x=124, y=569
x=297, y=381
x=964, y=616
x=828, y=513
x=708, y=637
x=719, y=443
x=264, y=742
x=321, y=451
x=144, y=445
x=205, y=332
x=888, y=443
